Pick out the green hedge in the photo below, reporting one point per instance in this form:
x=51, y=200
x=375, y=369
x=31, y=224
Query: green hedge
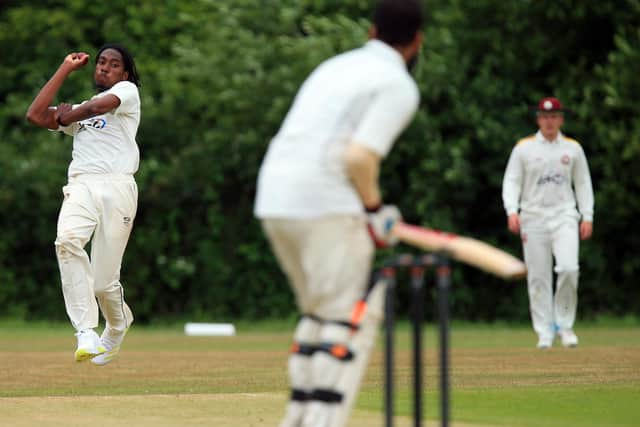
x=218, y=78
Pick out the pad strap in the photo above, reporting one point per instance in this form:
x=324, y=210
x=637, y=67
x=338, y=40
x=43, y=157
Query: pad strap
x=320, y=395
x=303, y=349
x=339, y=351
x=328, y=396
x=298, y=395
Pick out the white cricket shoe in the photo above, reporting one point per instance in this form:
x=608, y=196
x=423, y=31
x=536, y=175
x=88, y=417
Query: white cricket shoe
x=89, y=345
x=111, y=343
x=568, y=338
x=544, y=342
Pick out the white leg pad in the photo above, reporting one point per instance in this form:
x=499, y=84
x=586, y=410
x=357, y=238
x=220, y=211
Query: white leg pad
x=363, y=343
x=344, y=376
x=326, y=371
x=307, y=333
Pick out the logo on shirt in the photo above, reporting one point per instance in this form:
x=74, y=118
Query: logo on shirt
x=565, y=159
x=95, y=123
x=552, y=178
x=98, y=123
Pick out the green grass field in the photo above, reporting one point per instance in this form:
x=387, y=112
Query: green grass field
x=164, y=378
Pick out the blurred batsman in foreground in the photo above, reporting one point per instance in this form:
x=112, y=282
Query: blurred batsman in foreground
x=320, y=205
x=548, y=199
x=101, y=195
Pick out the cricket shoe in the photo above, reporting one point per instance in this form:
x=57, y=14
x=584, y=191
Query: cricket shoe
x=568, y=338
x=111, y=342
x=89, y=345
x=544, y=342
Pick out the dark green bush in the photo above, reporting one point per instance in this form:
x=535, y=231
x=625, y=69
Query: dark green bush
x=218, y=78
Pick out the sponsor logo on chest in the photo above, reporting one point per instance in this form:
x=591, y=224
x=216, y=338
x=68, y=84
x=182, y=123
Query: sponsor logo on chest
x=93, y=123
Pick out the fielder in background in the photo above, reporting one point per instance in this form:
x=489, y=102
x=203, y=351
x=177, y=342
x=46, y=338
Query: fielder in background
x=320, y=206
x=546, y=179
x=100, y=198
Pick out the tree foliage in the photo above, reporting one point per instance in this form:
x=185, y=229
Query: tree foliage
x=217, y=80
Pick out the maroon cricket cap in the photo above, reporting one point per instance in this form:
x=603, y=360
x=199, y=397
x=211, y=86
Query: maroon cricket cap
x=550, y=104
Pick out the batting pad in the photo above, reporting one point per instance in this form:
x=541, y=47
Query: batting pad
x=362, y=343
x=337, y=377
x=305, y=338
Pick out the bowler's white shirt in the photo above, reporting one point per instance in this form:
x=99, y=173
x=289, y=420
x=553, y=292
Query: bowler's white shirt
x=365, y=96
x=541, y=176
x=106, y=144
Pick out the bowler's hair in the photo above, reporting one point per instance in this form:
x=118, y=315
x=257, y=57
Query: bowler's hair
x=127, y=59
x=397, y=21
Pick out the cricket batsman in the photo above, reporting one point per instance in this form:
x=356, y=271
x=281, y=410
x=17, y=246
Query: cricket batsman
x=320, y=205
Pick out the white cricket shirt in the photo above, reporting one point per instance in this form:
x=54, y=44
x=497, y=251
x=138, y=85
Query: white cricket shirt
x=106, y=144
x=541, y=176
x=365, y=96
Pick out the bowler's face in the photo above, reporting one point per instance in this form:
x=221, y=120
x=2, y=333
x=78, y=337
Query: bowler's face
x=550, y=124
x=109, y=69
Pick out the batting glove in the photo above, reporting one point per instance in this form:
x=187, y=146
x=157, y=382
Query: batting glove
x=381, y=220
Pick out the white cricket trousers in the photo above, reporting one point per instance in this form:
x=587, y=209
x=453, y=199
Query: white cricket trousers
x=99, y=208
x=328, y=262
x=543, y=240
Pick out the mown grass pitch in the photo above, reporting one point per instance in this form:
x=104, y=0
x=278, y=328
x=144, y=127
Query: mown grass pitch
x=164, y=378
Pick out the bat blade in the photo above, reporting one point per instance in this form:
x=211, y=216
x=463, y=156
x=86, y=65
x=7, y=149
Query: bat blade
x=461, y=248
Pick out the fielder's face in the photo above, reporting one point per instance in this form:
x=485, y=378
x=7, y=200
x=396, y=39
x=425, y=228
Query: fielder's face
x=109, y=69
x=550, y=124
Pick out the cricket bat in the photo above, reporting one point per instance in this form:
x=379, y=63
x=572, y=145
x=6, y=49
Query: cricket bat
x=464, y=249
